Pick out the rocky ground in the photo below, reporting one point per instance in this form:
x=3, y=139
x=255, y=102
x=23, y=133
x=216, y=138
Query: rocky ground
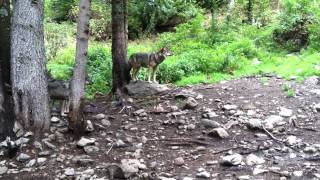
x=251, y=128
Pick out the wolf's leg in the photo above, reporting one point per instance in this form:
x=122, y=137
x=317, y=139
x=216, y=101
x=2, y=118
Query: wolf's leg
x=65, y=108
x=155, y=69
x=149, y=71
x=133, y=74
x=136, y=74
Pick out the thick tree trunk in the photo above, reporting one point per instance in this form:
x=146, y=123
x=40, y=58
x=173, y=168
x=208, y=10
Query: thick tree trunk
x=6, y=108
x=120, y=67
x=28, y=69
x=79, y=73
x=250, y=11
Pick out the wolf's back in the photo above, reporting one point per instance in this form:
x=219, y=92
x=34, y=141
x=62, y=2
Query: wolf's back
x=139, y=59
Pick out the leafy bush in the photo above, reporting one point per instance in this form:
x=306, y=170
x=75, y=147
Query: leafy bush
x=60, y=67
x=99, y=70
x=59, y=10
x=296, y=22
x=57, y=36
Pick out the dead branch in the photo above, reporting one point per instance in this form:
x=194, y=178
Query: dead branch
x=184, y=140
x=272, y=136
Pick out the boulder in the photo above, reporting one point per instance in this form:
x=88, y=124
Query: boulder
x=143, y=88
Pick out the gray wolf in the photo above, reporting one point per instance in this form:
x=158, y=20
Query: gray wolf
x=60, y=90
x=149, y=61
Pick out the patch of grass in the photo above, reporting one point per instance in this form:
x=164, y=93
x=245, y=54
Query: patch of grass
x=289, y=91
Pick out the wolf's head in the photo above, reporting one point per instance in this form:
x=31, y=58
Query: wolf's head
x=165, y=51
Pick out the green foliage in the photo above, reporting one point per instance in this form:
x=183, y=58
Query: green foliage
x=99, y=68
x=57, y=36
x=151, y=14
x=298, y=21
x=58, y=10
x=60, y=67
x=201, y=54
x=289, y=91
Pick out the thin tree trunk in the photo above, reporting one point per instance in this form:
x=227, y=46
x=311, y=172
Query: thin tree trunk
x=6, y=107
x=120, y=68
x=28, y=69
x=79, y=73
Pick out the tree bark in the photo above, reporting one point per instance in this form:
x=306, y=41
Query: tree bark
x=6, y=107
x=79, y=73
x=28, y=69
x=120, y=66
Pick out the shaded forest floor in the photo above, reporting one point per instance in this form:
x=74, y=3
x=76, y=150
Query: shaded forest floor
x=250, y=128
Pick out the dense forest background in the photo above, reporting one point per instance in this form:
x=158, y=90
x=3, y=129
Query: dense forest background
x=211, y=40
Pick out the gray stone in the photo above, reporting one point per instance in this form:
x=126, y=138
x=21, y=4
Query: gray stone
x=31, y=163
x=297, y=173
x=23, y=157
x=41, y=161
x=91, y=149
x=210, y=115
x=191, y=126
x=69, y=172
x=89, y=127
x=191, y=103
x=255, y=123
x=38, y=145
x=220, y=132
x=179, y=161
x=3, y=170
x=203, y=174
x=49, y=145
x=55, y=119
x=143, y=88
x=106, y=122
x=120, y=143
x=317, y=107
x=131, y=167
x=284, y=112
x=232, y=160
x=139, y=112
x=89, y=172
x=254, y=160
x=229, y=107
x=85, y=141
x=83, y=160
x=273, y=121
x=210, y=123
x=100, y=116
x=292, y=140
x=22, y=141
x=310, y=149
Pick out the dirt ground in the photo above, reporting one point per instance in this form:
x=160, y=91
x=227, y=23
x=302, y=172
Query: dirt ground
x=173, y=141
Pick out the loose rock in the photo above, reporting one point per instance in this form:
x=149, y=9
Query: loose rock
x=191, y=103
x=210, y=123
x=3, y=170
x=220, y=132
x=23, y=157
x=254, y=160
x=85, y=141
x=69, y=172
x=89, y=127
x=55, y=119
x=284, y=112
x=91, y=149
x=179, y=161
x=232, y=160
